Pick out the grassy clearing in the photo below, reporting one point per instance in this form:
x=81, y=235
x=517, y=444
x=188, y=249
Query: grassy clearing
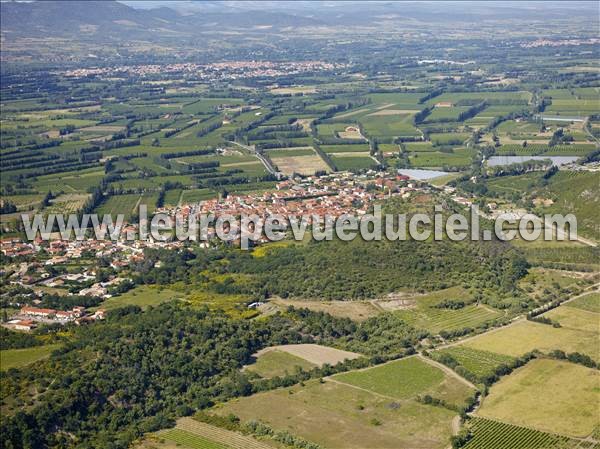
x=589, y=302
x=540, y=281
x=525, y=336
x=355, y=310
x=575, y=318
x=278, y=363
x=143, y=296
x=17, y=358
x=550, y=395
x=339, y=416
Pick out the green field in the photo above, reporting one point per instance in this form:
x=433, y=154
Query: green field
x=143, y=296
x=190, y=440
x=120, y=204
x=389, y=126
x=550, y=395
x=457, y=158
x=17, y=358
x=194, y=434
x=406, y=378
x=426, y=316
x=576, y=193
x=345, y=148
x=357, y=162
x=590, y=302
x=479, y=363
x=575, y=318
x=525, y=336
x=490, y=434
x=197, y=195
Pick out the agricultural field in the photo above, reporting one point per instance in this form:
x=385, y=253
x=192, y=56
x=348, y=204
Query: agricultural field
x=460, y=157
x=18, y=358
x=490, y=434
x=313, y=354
x=353, y=161
x=101, y=113
x=120, y=204
x=477, y=362
x=589, y=302
x=196, y=195
x=67, y=203
x=405, y=378
x=421, y=311
x=306, y=162
x=575, y=318
x=525, y=336
x=192, y=434
x=340, y=416
x=335, y=149
x=386, y=127
x=536, y=149
x=570, y=103
x=172, y=197
x=448, y=138
x=551, y=396
x=419, y=147
x=278, y=363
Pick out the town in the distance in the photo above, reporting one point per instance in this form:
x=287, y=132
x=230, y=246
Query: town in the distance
x=300, y=109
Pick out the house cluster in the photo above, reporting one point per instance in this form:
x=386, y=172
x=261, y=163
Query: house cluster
x=14, y=247
x=209, y=72
x=332, y=195
x=29, y=317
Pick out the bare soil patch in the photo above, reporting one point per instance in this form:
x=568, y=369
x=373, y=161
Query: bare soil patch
x=305, y=165
x=317, y=354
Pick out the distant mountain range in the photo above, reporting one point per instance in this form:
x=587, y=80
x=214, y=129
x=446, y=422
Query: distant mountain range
x=103, y=19
x=28, y=28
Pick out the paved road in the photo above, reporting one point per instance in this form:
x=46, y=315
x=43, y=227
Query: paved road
x=260, y=157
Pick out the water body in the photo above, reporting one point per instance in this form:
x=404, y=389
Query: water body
x=422, y=175
x=507, y=160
